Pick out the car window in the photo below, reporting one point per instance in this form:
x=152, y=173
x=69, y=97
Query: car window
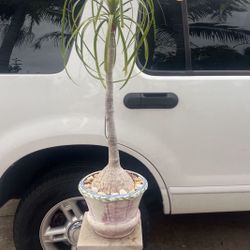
x=30, y=32
x=167, y=50
x=219, y=34
x=216, y=38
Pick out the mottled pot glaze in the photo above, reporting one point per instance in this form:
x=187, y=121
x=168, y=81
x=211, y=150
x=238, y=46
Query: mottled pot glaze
x=113, y=216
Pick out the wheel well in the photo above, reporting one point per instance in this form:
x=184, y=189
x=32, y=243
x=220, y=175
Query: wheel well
x=27, y=171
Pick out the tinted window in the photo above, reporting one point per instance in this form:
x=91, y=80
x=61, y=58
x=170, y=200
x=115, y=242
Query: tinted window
x=217, y=36
x=167, y=51
x=29, y=36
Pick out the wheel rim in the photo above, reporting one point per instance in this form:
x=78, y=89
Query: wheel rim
x=61, y=225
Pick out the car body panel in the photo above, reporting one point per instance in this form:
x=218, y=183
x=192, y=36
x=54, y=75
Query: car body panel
x=202, y=144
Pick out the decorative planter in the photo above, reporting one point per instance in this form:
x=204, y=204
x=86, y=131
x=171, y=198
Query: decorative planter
x=113, y=216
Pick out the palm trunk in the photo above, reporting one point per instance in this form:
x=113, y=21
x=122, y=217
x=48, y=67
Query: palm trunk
x=10, y=39
x=114, y=159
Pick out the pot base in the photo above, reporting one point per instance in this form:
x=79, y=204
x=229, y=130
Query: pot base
x=113, y=231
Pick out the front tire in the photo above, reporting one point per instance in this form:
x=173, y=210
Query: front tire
x=49, y=216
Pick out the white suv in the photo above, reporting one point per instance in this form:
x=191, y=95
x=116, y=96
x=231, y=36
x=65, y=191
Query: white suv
x=184, y=123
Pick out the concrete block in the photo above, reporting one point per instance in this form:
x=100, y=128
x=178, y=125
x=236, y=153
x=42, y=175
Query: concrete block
x=89, y=240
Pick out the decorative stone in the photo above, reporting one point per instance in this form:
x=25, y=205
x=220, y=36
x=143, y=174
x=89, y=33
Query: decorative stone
x=138, y=179
x=89, y=240
x=88, y=186
x=89, y=179
x=101, y=193
x=94, y=189
x=122, y=191
x=138, y=185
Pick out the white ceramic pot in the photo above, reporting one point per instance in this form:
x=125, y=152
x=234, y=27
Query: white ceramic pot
x=113, y=216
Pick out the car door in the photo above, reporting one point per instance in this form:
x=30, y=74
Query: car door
x=200, y=145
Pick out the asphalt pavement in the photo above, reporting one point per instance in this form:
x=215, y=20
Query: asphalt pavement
x=225, y=231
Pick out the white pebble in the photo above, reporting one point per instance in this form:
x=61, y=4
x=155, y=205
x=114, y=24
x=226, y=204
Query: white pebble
x=88, y=186
x=90, y=179
x=122, y=191
x=137, y=186
x=94, y=189
x=101, y=193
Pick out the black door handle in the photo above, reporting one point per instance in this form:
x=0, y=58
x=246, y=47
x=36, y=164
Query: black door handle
x=151, y=100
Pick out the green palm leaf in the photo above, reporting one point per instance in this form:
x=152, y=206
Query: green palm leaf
x=109, y=17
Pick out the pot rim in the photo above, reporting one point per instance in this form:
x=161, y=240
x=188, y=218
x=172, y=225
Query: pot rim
x=112, y=197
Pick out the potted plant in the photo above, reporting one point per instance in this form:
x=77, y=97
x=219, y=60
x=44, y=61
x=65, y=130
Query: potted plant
x=112, y=194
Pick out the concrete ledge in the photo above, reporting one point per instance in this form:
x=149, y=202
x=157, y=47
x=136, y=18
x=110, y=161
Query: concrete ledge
x=89, y=240
x=9, y=209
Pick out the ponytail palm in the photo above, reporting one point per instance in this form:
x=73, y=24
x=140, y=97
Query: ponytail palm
x=111, y=31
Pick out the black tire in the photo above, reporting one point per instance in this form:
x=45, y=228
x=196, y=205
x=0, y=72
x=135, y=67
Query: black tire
x=145, y=220
x=35, y=205
x=40, y=199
